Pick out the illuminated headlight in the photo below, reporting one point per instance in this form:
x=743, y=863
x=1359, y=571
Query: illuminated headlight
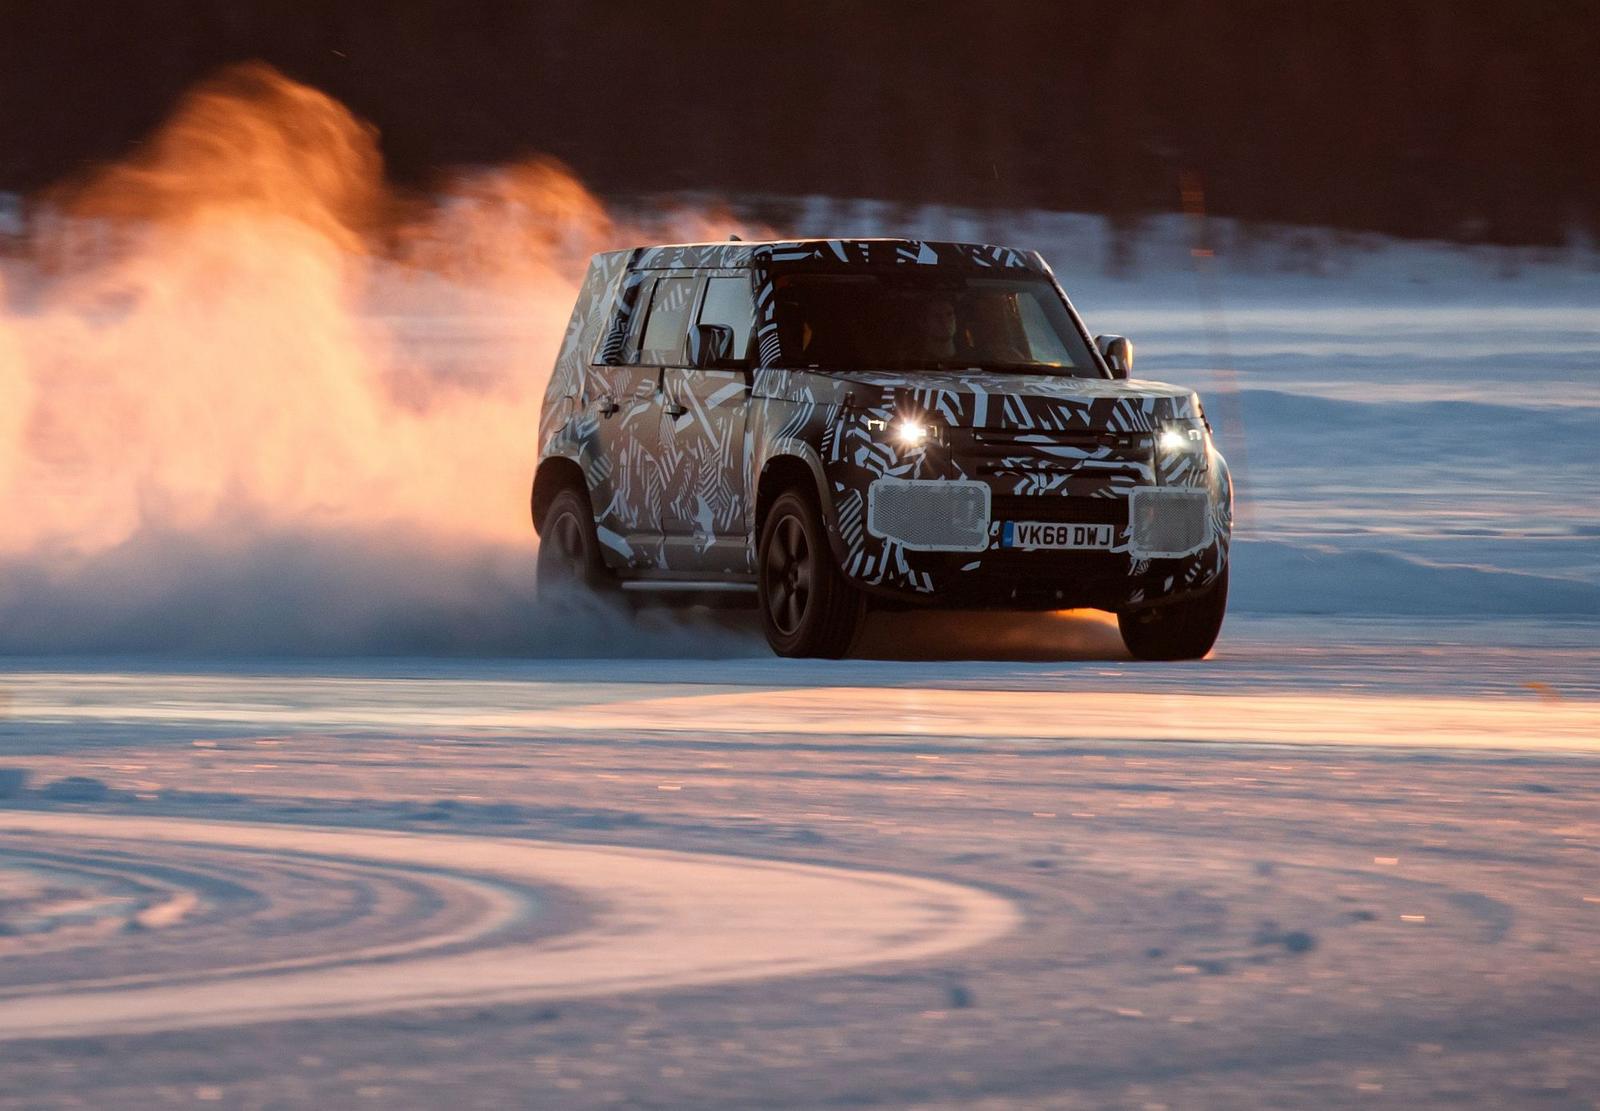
x=910, y=433
x=1182, y=437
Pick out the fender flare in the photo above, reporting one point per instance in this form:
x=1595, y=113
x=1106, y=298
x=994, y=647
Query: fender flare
x=793, y=448
x=550, y=463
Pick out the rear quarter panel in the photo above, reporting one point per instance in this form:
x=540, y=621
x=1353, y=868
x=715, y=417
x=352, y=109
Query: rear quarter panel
x=567, y=428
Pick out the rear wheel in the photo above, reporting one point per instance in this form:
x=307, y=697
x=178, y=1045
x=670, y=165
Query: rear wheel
x=1183, y=630
x=808, y=608
x=569, y=560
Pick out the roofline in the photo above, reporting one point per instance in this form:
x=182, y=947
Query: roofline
x=809, y=239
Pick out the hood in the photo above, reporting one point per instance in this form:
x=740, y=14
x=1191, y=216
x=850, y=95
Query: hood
x=991, y=399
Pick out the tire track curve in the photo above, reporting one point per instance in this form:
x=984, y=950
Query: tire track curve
x=656, y=919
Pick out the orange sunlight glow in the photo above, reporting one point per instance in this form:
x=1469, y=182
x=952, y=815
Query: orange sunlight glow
x=244, y=325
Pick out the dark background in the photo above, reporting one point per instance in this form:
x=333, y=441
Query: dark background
x=1457, y=119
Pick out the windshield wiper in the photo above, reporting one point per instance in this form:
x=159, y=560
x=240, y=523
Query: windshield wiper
x=1048, y=370
x=1040, y=369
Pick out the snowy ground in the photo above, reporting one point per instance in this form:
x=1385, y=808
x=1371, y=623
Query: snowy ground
x=1481, y=684
x=1348, y=860
x=1198, y=924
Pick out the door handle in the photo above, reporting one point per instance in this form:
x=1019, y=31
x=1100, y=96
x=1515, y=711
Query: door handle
x=606, y=405
x=674, y=409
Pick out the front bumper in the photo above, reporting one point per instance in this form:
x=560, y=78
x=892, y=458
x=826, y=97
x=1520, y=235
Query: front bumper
x=1053, y=581
x=1169, y=542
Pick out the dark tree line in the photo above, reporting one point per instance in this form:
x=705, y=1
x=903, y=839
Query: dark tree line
x=1462, y=119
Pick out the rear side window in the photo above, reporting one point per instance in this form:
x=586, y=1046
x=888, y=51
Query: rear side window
x=614, y=348
x=668, y=323
x=729, y=301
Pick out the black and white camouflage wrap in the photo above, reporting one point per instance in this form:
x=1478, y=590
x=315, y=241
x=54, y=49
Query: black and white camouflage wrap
x=673, y=457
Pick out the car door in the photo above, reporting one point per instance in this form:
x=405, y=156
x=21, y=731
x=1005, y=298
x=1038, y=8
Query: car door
x=703, y=439
x=629, y=407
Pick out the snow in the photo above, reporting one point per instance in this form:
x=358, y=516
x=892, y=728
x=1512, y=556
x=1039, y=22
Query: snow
x=1300, y=920
x=757, y=919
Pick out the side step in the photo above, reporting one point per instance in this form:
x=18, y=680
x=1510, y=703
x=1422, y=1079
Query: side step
x=672, y=593
x=688, y=586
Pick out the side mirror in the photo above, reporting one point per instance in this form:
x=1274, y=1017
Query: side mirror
x=1118, y=354
x=710, y=345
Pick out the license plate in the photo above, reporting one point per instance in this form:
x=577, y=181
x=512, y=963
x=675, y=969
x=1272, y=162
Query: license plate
x=1048, y=534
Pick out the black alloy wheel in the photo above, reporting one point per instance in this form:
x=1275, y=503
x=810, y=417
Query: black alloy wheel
x=790, y=574
x=808, y=608
x=569, y=560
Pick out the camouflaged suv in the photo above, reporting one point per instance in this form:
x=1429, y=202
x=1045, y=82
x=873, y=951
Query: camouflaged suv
x=830, y=424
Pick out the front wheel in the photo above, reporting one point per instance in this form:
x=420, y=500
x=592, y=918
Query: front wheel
x=1183, y=630
x=808, y=608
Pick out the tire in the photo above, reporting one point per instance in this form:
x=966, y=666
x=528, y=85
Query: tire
x=1184, y=630
x=808, y=607
x=569, y=562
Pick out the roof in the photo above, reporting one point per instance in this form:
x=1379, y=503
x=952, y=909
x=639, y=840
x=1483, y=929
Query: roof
x=841, y=252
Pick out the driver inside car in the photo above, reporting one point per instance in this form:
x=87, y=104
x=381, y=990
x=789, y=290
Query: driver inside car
x=938, y=329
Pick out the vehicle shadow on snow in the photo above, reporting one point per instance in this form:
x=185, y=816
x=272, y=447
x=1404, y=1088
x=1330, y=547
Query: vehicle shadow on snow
x=586, y=626
x=987, y=635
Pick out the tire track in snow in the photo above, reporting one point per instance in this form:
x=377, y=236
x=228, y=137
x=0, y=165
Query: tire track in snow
x=658, y=920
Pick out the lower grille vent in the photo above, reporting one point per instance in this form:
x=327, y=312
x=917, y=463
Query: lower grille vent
x=930, y=516
x=1169, y=521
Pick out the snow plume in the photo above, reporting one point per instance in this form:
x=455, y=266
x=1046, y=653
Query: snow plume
x=242, y=341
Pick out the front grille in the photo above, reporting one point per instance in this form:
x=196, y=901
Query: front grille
x=1055, y=508
x=1169, y=521
x=930, y=516
x=988, y=451
x=1000, y=441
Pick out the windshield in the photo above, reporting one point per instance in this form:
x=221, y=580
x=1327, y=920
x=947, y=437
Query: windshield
x=920, y=321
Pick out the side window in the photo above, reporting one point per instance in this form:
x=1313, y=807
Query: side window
x=729, y=301
x=668, y=324
x=614, y=348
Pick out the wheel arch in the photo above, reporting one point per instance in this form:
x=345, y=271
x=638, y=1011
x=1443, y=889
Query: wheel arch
x=554, y=475
x=794, y=463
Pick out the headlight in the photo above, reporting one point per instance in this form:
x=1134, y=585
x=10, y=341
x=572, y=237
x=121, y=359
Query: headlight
x=1182, y=437
x=910, y=433
x=907, y=433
